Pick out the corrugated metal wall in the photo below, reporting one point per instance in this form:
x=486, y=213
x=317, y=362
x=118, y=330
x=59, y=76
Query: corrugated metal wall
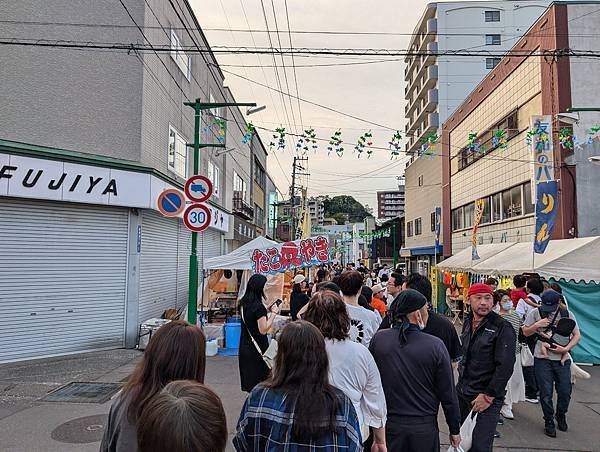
x=63, y=272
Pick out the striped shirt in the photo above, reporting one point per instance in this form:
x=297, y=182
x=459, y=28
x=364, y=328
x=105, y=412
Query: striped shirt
x=515, y=320
x=267, y=419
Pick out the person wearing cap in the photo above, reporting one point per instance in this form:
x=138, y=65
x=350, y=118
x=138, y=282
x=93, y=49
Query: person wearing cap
x=548, y=368
x=416, y=374
x=378, y=300
x=299, y=298
x=488, y=358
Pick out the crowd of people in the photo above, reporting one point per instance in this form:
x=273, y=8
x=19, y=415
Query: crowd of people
x=364, y=364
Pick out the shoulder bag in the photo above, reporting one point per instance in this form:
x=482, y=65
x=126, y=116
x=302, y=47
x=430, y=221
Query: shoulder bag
x=269, y=355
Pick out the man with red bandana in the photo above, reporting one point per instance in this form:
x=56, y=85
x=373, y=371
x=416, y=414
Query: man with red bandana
x=487, y=363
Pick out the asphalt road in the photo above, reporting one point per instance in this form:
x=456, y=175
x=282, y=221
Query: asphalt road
x=28, y=424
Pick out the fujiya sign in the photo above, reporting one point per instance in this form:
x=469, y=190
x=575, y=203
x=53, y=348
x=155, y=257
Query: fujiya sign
x=27, y=177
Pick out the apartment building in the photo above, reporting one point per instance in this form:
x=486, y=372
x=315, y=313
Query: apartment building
x=390, y=204
x=516, y=92
x=436, y=86
x=316, y=209
x=88, y=141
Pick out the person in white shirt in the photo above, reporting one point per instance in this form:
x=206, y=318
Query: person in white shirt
x=534, y=289
x=384, y=270
x=352, y=368
x=363, y=323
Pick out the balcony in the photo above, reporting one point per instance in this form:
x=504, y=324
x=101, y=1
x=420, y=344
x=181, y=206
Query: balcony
x=432, y=48
x=241, y=207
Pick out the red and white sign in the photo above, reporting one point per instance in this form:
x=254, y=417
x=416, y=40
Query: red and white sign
x=197, y=217
x=198, y=188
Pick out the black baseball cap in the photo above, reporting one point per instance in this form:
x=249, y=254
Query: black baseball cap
x=550, y=301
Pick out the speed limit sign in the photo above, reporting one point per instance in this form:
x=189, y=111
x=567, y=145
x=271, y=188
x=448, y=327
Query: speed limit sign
x=196, y=217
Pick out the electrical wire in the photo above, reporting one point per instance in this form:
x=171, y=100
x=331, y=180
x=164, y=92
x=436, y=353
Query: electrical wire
x=287, y=16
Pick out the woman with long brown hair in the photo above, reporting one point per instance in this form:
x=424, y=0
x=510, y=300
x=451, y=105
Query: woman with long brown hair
x=177, y=351
x=352, y=368
x=297, y=408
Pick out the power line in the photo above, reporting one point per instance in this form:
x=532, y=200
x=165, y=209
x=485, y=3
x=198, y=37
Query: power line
x=287, y=16
x=299, y=32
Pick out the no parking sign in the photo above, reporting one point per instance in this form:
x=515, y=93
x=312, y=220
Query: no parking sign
x=171, y=203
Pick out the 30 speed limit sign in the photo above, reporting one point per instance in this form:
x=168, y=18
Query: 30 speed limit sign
x=196, y=217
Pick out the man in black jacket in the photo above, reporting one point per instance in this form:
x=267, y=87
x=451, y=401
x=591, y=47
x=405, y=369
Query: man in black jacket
x=488, y=343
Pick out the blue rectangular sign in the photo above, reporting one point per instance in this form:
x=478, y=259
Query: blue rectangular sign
x=546, y=208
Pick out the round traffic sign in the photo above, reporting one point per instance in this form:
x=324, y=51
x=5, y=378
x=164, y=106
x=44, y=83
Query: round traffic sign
x=198, y=188
x=171, y=202
x=196, y=217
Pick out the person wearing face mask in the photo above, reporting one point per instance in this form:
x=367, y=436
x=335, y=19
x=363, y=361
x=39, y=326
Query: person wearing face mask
x=488, y=360
x=416, y=374
x=515, y=389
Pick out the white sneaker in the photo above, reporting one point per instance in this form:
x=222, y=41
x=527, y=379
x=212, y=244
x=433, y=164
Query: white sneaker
x=532, y=400
x=506, y=412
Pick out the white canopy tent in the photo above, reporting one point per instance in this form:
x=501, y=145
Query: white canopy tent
x=575, y=259
x=239, y=259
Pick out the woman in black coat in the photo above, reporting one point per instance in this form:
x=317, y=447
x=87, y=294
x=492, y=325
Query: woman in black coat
x=256, y=321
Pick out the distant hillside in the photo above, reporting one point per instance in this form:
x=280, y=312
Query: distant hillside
x=345, y=208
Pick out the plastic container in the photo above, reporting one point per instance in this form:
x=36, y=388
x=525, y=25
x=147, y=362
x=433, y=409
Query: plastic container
x=212, y=347
x=232, y=329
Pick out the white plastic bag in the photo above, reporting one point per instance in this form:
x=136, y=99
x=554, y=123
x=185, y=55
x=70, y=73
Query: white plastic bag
x=526, y=356
x=456, y=449
x=466, y=431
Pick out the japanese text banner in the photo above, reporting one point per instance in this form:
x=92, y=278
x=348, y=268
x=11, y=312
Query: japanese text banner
x=546, y=208
x=291, y=255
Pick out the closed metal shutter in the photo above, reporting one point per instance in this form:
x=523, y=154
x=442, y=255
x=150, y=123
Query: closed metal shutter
x=164, y=264
x=63, y=273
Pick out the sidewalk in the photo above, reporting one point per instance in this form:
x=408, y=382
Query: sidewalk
x=30, y=425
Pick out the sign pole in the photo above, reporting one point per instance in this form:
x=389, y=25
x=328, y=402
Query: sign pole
x=193, y=276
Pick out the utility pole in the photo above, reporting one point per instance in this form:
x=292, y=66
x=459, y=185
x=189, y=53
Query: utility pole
x=293, y=189
x=395, y=251
x=193, y=275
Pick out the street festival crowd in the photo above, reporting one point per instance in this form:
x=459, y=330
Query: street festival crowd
x=363, y=364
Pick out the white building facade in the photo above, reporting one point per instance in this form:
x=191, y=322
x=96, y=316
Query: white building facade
x=436, y=86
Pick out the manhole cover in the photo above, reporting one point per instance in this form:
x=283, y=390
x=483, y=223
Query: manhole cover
x=81, y=392
x=82, y=430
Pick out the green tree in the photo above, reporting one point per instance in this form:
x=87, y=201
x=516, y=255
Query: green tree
x=345, y=208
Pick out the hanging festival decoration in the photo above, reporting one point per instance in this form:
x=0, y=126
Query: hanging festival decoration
x=499, y=139
x=280, y=137
x=395, y=146
x=335, y=143
x=368, y=236
x=473, y=144
x=364, y=141
x=565, y=137
x=541, y=138
x=221, y=124
x=593, y=134
x=250, y=129
x=429, y=147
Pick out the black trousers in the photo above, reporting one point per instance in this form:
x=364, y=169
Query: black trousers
x=483, y=434
x=412, y=434
x=531, y=385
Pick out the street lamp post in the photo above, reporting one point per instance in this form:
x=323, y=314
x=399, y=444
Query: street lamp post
x=193, y=275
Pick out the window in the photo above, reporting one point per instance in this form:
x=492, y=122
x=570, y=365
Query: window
x=511, y=203
x=433, y=218
x=259, y=174
x=239, y=186
x=214, y=174
x=259, y=215
x=486, y=216
x=421, y=180
x=491, y=63
x=182, y=60
x=469, y=213
x=492, y=40
x=177, y=158
x=418, y=229
x=496, y=207
x=409, y=229
x=528, y=206
x=492, y=16
x=457, y=219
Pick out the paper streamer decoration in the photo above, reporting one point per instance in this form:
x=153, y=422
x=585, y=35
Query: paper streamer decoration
x=395, y=146
x=250, y=129
x=499, y=139
x=280, y=137
x=364, y=141
x=565, y=137
x=335, y=143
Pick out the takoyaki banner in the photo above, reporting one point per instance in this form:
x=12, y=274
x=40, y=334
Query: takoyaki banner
x=288, y=256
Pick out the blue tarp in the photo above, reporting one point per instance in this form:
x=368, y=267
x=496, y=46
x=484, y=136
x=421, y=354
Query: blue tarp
x=584, y=302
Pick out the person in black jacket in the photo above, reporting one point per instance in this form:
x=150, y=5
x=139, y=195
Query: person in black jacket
x=489, y=344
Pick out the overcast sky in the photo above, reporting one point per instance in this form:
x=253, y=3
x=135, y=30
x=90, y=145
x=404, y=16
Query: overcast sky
x=371, y=91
